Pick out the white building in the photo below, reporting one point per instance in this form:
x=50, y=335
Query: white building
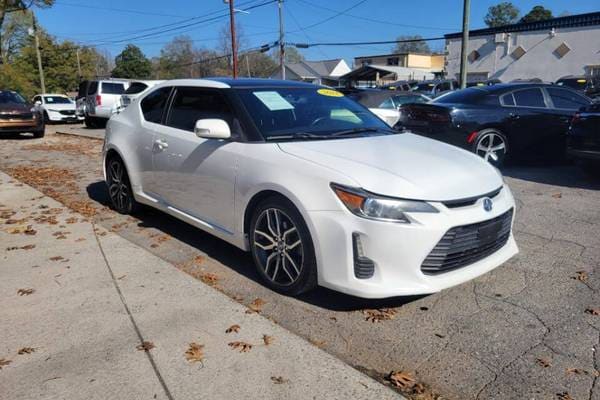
x=547, y=50
x=324, y=72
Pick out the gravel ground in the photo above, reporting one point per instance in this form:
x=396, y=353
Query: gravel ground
x=528, y=329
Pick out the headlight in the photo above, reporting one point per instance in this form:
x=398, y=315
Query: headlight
x=368, y=205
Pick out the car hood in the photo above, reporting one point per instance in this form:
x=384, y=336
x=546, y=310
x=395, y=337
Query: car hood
x=15, y=108
x=403, y=165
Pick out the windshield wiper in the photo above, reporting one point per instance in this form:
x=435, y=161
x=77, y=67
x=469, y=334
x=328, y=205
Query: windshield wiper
x=297, y=135
x=357, y=131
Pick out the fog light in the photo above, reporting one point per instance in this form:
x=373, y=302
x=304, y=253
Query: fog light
x=364, y=267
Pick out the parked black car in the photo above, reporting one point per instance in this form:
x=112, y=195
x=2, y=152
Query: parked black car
x=583, y=138
x=588, y=85
x=525, y=121
x=378, y=98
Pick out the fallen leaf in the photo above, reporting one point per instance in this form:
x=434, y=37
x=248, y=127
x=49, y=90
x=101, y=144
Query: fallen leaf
x=593, y=311
x=440, y=335
x=209, y=278
x=195, y=353
x=581, y=276
x=242, y=346
x=145, y=346
x=4, y=362
x=379, y=315
x=56, y=258
x=278, y=380
x=233, y=328
x=198, y=259
x=268, y=339
x=557, y=195
x=576, y=371
x=318, y=343
x=29, y=231
x=25, y=292
x=26, y=350
x=401, y=379
x=256, y=306
x=564, y=396
x=543, y=362
x=28, y=247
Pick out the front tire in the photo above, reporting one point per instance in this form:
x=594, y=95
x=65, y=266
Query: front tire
x=492, y=146
x=282, y=247
x=119, y=187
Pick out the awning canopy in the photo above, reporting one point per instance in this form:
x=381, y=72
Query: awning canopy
x=374, y=72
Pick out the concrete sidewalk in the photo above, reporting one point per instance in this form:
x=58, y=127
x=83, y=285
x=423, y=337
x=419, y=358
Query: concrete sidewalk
x=83, y=299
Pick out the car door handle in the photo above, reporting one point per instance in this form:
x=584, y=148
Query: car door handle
x=513, y=116
x=161, y=144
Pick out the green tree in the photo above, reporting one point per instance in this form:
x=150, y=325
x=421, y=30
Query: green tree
x=256, y=65
x=292, y=55
x=10, y=6
x=417, y=46
x=132, y=63
x=537, y=13
x=504, y=13
x=176, y=59
x=13, y=34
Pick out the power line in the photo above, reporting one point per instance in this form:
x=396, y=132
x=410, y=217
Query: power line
x=307, y=45
x=123, y=10
x=372, y=19
x=186, y=25
x=338, y=13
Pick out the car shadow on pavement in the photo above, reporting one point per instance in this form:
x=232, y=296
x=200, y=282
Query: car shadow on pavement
x=239, y=260
x=558, y=175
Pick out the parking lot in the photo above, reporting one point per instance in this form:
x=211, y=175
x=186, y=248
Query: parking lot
x=529, y=329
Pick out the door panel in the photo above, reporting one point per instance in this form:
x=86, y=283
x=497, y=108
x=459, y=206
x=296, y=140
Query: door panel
x=192, y=174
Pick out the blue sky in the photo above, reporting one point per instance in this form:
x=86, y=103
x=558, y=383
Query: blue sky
x=110, y=24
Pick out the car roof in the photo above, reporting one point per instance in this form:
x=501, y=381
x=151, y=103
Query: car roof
x=505, y=87
x=226, y=83
x=52, y=94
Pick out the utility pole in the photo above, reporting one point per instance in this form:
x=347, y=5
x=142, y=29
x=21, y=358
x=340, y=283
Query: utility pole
x=281, y=42
x=465, y=44
x=233, y=39
x=39, y=56
x=78, y=63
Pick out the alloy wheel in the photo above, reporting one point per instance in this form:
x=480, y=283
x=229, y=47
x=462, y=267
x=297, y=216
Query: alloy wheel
x=491, y=147
x=118, y=188
x=278, y=247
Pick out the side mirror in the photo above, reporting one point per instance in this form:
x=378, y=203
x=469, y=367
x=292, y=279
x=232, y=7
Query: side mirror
x=212, y=128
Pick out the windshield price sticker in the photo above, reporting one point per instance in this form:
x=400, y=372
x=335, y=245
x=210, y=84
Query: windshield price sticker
x=273, y=101
x=330, y=93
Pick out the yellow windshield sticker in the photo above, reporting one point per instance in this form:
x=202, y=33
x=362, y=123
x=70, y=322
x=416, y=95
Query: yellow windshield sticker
x=581, y=80
x=330, y=93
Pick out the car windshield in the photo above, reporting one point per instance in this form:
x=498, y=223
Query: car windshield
x=399, y=100
x=308, y=113
x=579, y=84
x=425, y=87
x=57, y=100
x=11, y=97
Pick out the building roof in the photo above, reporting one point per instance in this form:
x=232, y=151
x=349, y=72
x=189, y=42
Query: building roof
x=368, y=72
x=314, y=69
x=571, y=21
x=416, y=53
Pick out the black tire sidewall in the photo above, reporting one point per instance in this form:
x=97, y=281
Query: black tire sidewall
x=308, y=275
x=501, y=162
x=131, y=203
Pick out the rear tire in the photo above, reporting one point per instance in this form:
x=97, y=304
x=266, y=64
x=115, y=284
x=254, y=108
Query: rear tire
x=90, y=122
x=119, y=187
x=492, y=146
x=282, y=247
x=41, y=132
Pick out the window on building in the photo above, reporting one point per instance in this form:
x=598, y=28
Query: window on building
x=393, y=61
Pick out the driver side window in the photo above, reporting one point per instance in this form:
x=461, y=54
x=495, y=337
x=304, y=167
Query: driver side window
x=191, y=104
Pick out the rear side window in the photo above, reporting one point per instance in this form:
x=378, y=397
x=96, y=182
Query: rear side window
x=566, y=99
x=154, y=104
x=508, y=99
x=112, y=88
x=136, y=87
x=191, y=104
x=529, y=98
x=389, y=104
x=92, y=88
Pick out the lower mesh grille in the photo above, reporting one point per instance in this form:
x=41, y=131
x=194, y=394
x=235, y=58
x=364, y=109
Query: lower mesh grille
x=467, y=244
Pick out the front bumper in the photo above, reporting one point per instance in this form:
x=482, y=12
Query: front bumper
x=398, y=250
x=57, y=116
x=20, y=125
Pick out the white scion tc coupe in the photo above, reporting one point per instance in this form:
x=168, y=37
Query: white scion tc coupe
x=317, y=188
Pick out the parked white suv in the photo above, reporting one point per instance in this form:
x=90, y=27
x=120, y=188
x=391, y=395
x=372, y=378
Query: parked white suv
x=56, y=108
x=314, y=185
x=97, y=100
